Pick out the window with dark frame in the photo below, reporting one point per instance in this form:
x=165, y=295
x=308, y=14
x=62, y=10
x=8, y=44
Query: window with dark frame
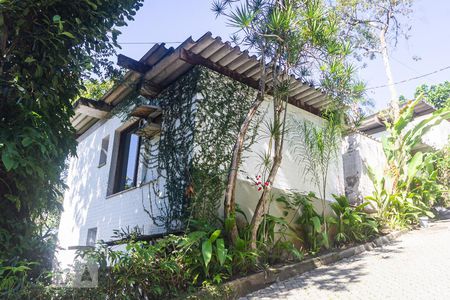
x=104, y=152
x=91, y=237
x=127, y=160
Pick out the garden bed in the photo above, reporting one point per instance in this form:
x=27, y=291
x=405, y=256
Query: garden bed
x=242, y=286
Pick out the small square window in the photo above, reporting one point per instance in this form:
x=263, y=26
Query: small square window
x=91, y=237
x=104, y=151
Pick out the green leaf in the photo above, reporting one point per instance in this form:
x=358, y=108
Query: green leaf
x=206, y=252
x=214, y=235
x=240, y=244
x=26, y=141
x=66, y=33
x=221, y=251
x=93, y=5
x=429, y=214
x=316, y=223
x=29, y=60
x=325, y=240
x=56, y=18
x=7, y=161
x=414, y=165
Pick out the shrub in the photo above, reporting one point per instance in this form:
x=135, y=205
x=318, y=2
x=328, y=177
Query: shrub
x=311, y=223
x=352, y=223
x=166, y=268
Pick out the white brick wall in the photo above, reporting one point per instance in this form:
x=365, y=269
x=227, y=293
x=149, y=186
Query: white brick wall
x=86, y=204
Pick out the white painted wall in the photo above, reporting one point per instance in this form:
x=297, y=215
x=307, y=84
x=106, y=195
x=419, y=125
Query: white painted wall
x=291, y=176
x=86, y=204
x=360, y=151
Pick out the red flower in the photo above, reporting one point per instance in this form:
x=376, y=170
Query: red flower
x=266, y=183
x=259, y=188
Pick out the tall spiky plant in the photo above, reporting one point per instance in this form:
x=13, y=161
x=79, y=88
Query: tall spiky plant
x=291, y=37
x=317, y=148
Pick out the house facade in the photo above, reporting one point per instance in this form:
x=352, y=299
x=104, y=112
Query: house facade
x=158, y=137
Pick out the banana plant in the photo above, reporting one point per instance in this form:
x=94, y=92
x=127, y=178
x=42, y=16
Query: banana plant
x=403, y=202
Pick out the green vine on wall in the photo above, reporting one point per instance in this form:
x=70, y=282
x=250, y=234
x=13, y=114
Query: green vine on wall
x=221, y=109
x=202, y=112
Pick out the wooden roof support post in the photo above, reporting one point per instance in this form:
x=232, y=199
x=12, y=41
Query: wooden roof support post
x=92, y=108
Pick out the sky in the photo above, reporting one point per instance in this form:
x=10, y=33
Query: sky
x=175, y=20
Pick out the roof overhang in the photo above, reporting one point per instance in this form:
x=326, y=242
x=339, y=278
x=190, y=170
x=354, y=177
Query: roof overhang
x=162, y=66
x=375, y=123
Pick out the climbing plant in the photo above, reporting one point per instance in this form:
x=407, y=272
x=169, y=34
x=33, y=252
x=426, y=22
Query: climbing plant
x=187, y=163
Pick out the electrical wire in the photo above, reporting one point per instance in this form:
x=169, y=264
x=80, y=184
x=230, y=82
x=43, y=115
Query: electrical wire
x=410, y=79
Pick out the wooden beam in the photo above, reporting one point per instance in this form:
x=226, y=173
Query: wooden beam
x=146, y=111
x=131, y=64
x=97, y=109
x=148, y=89
x=195, y=59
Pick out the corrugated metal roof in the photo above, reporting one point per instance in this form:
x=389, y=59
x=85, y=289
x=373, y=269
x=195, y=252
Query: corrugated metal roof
x=168, y=64
x=374, y=123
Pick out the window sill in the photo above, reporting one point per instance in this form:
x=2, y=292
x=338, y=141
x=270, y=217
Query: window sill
x=122, y=192
x=127, y=190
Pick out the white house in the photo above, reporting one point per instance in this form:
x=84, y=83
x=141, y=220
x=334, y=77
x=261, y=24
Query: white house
x=109, y=186
x=363, y=148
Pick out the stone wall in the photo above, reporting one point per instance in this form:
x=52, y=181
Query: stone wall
x=358, y=152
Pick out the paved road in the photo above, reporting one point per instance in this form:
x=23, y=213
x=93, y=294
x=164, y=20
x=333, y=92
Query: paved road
x=415, y=266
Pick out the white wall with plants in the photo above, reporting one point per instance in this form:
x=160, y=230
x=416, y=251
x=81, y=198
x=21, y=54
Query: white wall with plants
x=292, y=177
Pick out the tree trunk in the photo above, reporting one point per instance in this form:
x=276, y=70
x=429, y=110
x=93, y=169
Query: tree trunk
x=260, y=209
x=387, y=67
x=229, y=205
x=230, y=192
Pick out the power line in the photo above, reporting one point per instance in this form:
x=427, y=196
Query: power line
x=403, y=64
x=410, y=79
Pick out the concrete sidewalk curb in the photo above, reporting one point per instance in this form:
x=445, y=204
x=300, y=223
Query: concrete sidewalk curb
x=246, y=285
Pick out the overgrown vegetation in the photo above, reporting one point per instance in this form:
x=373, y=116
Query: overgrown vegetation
x=201, y=122
x=352, y=223
x=437, y=95
x=409, y=188
x=46, y=49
